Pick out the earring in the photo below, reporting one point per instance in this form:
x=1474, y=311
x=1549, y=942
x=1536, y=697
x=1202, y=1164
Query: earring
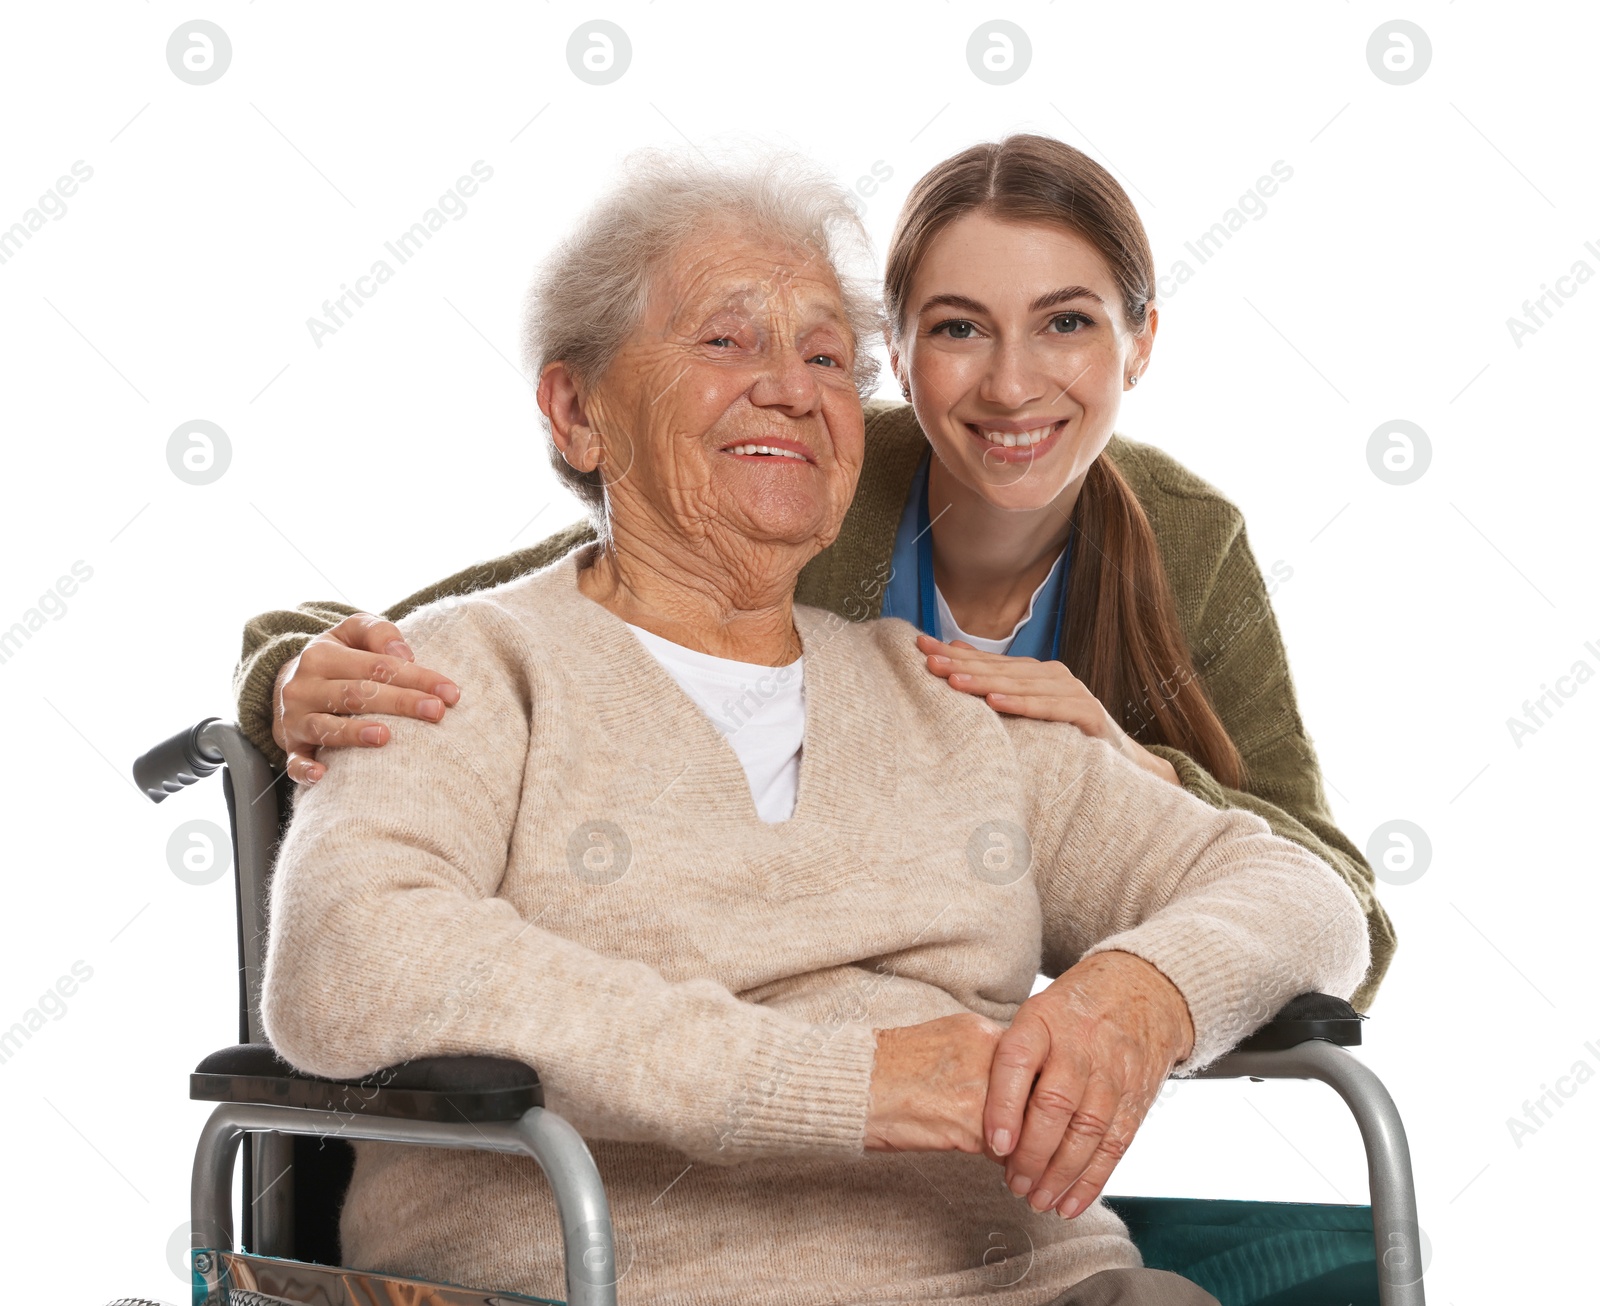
x=905, y=390
x=1133, y=380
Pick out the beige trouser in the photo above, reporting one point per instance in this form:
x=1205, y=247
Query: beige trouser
x=1135, y=1288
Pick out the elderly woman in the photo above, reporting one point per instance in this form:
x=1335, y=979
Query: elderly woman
x=761, y=899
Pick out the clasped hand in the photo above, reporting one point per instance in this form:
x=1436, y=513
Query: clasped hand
x=1055, y=1098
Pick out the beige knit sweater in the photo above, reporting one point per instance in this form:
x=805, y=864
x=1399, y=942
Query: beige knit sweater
x=569, y=870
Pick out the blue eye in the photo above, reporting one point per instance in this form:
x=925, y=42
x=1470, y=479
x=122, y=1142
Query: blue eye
x=1074, y=323
x=956, y=329
x=720, y=340
x=828, y=359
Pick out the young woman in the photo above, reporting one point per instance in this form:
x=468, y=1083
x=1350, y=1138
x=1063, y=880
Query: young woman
x=1054, y=568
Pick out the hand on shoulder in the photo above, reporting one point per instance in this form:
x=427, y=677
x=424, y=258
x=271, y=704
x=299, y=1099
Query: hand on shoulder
x=1045, y=691
x=362, y=665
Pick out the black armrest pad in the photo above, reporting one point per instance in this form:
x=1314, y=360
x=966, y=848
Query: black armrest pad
x=1309, y=1016
x=449, y=1089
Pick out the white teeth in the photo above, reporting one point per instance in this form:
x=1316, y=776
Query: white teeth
x=1013, y=439
x=768, y=450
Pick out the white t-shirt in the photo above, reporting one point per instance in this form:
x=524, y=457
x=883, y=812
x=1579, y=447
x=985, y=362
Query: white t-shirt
x=949, y=631
x=760, y=711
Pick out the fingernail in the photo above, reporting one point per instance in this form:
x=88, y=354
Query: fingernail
x=313, y=776
x=371, y=734
x=431, y=708
x=398, y=649
x=1021, y=1184
x=1071, y=1207
x=1000, y=1142
x=1042, y=1200
x=448, y=692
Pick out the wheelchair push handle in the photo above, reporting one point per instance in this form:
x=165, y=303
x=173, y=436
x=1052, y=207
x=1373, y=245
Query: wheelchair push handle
x=177, y=762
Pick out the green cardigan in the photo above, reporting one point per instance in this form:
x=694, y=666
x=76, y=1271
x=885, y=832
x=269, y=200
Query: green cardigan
x=1222, y=603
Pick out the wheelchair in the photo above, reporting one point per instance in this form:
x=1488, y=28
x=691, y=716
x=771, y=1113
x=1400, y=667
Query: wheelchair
x=298, y=1160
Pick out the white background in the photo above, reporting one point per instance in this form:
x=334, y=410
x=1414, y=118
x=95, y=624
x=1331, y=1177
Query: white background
x=1377, y=286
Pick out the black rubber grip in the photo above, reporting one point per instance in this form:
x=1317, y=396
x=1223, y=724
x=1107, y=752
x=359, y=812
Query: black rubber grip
x=175, y=762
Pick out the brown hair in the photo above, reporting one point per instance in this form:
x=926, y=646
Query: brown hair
x=1123, y=638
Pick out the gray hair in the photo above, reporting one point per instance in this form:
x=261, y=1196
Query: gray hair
x=591, y=293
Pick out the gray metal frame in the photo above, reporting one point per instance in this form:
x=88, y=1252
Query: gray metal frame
x=560, y=1151
x=255, y=820
x=255, y=834
x=591, y=1261
x=1395, y=1233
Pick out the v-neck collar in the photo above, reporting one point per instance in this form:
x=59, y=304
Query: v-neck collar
x=705, y=767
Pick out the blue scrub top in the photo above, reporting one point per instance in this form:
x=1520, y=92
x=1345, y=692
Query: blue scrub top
x=902, y=597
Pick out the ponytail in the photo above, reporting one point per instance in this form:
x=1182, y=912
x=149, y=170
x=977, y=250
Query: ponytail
x=1123, y=637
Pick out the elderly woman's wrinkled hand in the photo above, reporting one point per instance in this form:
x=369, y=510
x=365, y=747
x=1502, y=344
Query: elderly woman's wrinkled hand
x=929, y=1084
x=1101, y=1040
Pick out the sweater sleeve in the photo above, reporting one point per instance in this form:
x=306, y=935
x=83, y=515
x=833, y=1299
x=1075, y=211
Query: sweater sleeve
x=273, y=638
x=390, y=941
x=1245, y=671
x=1238, y=919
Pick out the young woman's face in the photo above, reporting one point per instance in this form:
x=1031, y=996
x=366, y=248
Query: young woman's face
x=1017, y=352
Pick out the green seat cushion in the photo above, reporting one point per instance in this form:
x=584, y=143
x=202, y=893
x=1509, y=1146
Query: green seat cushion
x=1258, y=1253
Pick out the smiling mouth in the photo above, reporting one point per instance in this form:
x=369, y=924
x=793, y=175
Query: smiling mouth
x=785, y=451
x=1024, y=440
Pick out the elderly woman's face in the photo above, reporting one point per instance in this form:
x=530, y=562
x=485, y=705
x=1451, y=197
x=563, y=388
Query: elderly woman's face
x=732, y=412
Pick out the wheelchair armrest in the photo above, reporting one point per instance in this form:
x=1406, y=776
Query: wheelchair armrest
x=443, y=1089
x=1309, y=1016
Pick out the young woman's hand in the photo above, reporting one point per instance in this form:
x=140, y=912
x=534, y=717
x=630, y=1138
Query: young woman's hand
x=362, y=665
x=1028, y=687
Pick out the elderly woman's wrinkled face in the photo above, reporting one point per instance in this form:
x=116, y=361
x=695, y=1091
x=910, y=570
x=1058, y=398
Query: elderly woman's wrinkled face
x=732, y=413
